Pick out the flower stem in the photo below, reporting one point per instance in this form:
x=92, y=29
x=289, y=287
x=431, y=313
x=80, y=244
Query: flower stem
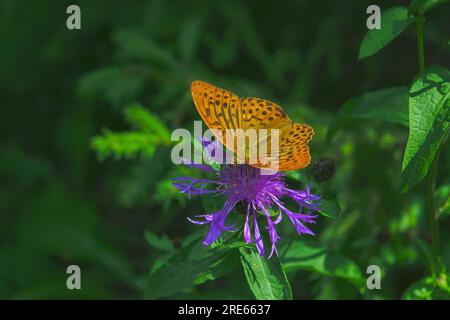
x=431, y=177
x=431, y=206
x=419, y=24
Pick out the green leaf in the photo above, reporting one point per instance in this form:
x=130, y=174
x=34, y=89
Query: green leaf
x=147, y=121
x=430, y=288
x=301, y=256
x=128, y=144
x=162, y=243
x=329, y=208
x=390, y=104
x=265, y=277
x=192, y=265
x=428, y=111
x=394, y=21
x=124, y=144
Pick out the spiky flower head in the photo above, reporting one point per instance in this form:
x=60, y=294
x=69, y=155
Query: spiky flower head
x=261, y=196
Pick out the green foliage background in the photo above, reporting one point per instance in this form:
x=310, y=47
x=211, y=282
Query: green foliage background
x=121, y=84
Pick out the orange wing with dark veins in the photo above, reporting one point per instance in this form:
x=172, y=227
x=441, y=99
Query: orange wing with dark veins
x=221, y=109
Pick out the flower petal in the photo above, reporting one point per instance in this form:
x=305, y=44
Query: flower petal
x=295, y=219
x=273, y=235
x=189, y=185
x=303, y=198
x=247, y=233
x=207, y=217
x=217, y=224
x=258, y=239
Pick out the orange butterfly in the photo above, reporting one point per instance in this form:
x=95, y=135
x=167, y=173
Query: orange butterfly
x=221, y=110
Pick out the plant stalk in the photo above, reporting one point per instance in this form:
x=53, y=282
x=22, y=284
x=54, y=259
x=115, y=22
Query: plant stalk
x=419, y=23
x=431, y=177
x=431, y=205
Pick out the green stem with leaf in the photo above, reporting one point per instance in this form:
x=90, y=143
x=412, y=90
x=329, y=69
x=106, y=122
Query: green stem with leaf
x=431, y=177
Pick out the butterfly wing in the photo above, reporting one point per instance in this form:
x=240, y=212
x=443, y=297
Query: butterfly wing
x=217, y=107
x=293, y=137
x=294, y=150
x=221, y=109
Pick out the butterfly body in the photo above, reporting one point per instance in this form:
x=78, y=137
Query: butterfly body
x=222, y=109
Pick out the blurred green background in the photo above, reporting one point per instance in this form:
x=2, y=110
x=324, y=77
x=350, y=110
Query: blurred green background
x=60, y=205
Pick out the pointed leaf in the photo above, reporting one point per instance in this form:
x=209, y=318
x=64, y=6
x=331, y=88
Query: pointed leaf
x=266, y=277
x=429, y=107
x=192, y=265
x=301, y=256
x=390, y=104
x=147, y=121
x=394, y=21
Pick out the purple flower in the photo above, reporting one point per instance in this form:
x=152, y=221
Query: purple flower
x=261, y=196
